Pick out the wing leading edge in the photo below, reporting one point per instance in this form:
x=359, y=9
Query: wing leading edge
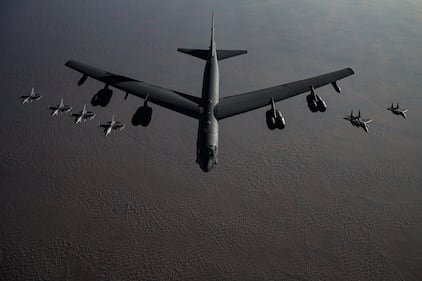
x=170, y=99
x=237, y=104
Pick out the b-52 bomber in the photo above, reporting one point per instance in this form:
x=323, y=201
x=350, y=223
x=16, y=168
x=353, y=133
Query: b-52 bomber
x=83, y=115
x=112, y=126
x=397, y=110
x=209, y=109
x=357, y=121
x=31, y=97
x=60, y=108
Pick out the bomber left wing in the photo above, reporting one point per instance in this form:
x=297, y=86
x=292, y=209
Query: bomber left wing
x=170, y=99
x=237, y=104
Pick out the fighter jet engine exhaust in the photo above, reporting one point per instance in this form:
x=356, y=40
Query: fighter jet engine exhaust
x=315, y=102
x=143, y=115
x=102, y=97
x=274, y=118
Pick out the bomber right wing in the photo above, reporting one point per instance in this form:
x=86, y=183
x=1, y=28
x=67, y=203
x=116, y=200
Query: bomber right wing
x=237, y=104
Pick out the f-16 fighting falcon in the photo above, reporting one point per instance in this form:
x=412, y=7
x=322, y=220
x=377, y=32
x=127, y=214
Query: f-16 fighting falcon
x=112, y=126
x=357, y=121
x=60, y=108
x=31, y=97
x=397, y=110
x=83, y=115
x=209, y=109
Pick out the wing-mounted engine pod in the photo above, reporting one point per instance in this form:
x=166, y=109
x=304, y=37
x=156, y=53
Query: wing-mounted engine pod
x=102, y=97
x=315, y=102
x=274, y=118
x=143, y=115
x=322, y=106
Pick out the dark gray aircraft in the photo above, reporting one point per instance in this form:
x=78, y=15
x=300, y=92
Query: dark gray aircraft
x=209, y=109
x=60, y=108
x=31, y=97
x=112, y=126
x=397, y=110
x=83, y=115
x=357, y=121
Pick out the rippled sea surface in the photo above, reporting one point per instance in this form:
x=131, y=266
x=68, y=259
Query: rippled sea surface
x=320, y=200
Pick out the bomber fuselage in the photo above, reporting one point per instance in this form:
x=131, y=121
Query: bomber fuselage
x=207, y=139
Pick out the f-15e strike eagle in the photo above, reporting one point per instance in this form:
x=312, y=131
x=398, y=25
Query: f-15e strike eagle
x=60, y=108
x=112, y=126
x=83, y=115
x=31, y=97
x=357, y=121
x=208, y=109
x=397, y=110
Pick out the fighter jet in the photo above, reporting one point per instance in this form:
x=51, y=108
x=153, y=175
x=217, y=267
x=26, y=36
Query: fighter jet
x=31, y=97
x=83, y=115
x=111, y=126
x=209, y=109
x=397, y=110
x=357, y=121
x=60, y=108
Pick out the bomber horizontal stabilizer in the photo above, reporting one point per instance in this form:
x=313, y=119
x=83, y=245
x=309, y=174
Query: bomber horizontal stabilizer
x=203, y=54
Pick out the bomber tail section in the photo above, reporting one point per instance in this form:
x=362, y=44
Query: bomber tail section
x=199, y=53
x=204, y=54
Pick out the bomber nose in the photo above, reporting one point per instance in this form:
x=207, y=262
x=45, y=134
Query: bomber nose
x=210, y=165
x=206, y=165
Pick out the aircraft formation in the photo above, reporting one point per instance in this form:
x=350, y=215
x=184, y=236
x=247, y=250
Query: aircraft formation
x=358, y=121
x=209, y=109
x=80, y=117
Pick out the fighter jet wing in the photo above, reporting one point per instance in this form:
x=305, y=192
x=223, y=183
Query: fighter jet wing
x=237, y=104
x=170, y=99
x=118, y=125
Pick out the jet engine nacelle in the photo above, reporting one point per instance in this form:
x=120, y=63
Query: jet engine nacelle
x=102, y=97
x=275, y=119
x=312, y=102
x=142, y=116
x=315, y=102
x=322, y=106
